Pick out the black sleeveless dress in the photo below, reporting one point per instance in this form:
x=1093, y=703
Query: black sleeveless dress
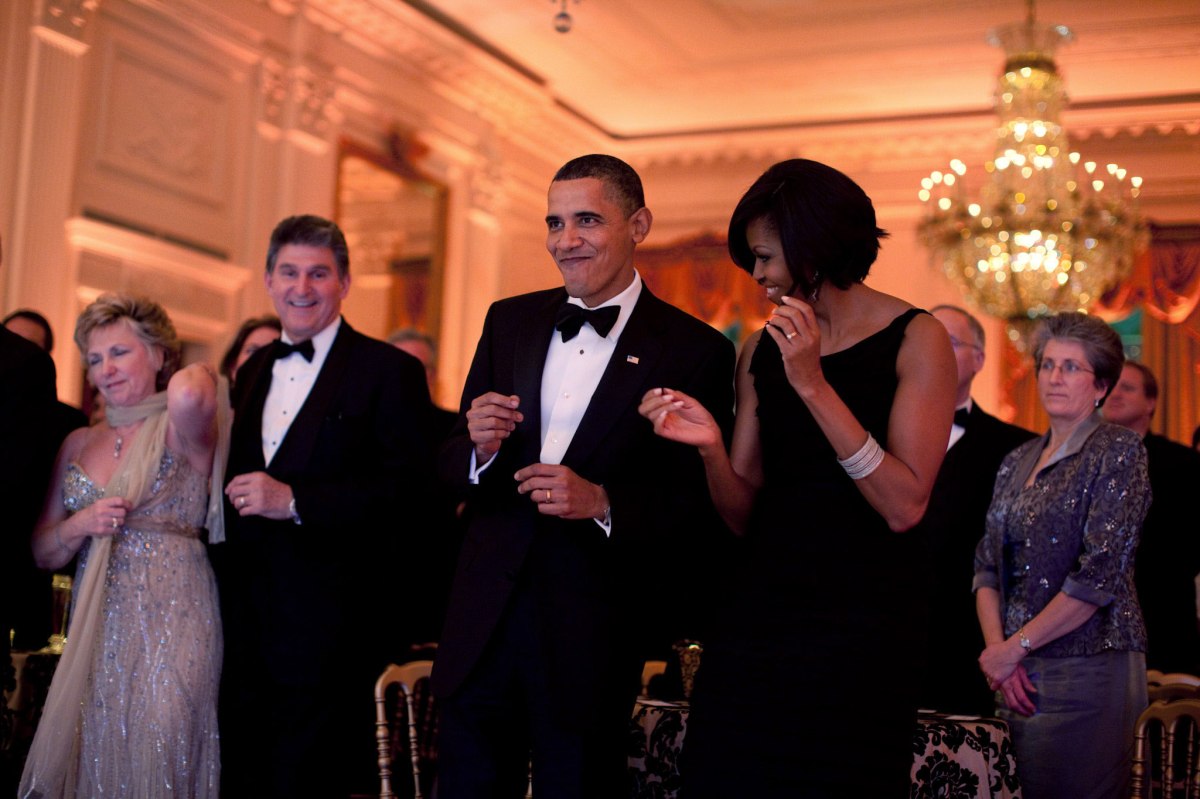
x=806, y=684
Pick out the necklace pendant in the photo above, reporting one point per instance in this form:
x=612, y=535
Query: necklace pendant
x=117, y=447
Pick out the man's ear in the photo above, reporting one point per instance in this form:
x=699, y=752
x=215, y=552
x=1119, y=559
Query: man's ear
x=640, y=221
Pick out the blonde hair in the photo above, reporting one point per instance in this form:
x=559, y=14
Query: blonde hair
x=148, y=321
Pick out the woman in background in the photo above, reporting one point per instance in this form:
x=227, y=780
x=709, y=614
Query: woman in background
x=132, y=707
x=254, y=334
x=807, y=686
x=1054, y=589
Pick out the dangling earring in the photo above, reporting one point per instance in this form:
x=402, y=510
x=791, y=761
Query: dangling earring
x=816, y=286
x=1097, y=403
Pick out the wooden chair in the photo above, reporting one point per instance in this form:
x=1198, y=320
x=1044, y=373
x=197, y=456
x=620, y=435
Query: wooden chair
x=1176, y=678
x=405, y=677
x=1166, y=746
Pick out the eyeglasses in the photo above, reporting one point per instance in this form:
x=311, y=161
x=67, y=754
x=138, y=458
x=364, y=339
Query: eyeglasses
x=1069, y=368
x=959, y=344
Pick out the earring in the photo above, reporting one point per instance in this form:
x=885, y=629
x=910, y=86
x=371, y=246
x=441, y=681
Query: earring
x=1097, y=403
x=816, y=286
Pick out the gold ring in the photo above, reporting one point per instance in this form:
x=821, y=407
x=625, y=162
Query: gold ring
x=789, y=336
x=548, y=495
x=115, y=525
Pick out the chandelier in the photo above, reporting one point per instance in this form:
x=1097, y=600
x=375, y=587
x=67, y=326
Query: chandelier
x=563, y=19
x=1047, y=233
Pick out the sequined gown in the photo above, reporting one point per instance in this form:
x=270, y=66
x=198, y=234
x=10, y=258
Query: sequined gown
x=807, y=683
x=149, y=724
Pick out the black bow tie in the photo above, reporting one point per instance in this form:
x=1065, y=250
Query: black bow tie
x=283, y=349
x=571, y=317
x=961, y=416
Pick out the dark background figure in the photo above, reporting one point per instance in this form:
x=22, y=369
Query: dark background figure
x=328, y=457
x=253, y=334
x=575, y=502
x=953, y=526
x=27, y=397
x=429, y=555
x=1168, y=556
x=32, y=614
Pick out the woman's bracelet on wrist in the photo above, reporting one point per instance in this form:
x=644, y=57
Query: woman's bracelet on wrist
x=862, y=463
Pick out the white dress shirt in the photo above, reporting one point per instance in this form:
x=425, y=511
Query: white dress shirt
x=956, y=431
x=572, y=371
x=292, y=379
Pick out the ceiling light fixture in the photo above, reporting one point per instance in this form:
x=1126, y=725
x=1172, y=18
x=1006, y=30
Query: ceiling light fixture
x=563, y=20
x=1043, y=237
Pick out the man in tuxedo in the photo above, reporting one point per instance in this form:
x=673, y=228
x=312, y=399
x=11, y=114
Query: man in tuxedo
x=328, y=453
x=573, y=504
x=1168, y=554
x=953, y=526
x=32, y=625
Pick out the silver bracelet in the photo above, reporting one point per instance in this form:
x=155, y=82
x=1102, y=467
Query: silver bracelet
x=862, y=463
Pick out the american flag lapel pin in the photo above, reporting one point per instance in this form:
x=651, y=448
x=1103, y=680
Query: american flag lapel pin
x=631, y=359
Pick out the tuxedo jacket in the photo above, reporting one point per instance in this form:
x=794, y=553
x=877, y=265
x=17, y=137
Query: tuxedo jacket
x=592, y=595
x=27, y=399
x=952, y=528
x=302, y=602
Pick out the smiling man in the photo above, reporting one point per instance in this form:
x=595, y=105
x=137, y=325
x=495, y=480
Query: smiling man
x=572, y=500
x=328, y=449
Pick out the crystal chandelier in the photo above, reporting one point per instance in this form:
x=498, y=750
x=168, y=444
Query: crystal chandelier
x=1044, y=235
x=563, y=20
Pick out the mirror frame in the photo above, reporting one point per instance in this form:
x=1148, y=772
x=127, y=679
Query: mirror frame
x=398, y=155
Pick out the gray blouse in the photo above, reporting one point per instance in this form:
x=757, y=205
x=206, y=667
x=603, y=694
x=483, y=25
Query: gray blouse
x=1074, y=530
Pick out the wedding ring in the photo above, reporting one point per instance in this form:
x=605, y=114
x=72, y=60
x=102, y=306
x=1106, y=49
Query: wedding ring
x=115, y=523
x=548, y=492
x=242, y=502
x=789, y=336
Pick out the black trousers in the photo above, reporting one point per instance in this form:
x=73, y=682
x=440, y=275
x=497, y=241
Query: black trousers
x=502, y=722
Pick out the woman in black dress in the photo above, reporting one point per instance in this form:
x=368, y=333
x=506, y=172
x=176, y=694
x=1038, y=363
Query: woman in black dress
x=845, y=401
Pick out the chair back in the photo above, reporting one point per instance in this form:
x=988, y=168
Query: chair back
x=405, y=677
x=652, y=668
x=1166, y=745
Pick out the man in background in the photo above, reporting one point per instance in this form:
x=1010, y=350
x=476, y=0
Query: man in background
x=27, y=396
x=31, y=620
x=433, y=550
x=1168, y=554
x=953, y=526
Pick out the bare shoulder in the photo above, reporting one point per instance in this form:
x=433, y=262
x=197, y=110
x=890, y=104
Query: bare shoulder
x=74, y=444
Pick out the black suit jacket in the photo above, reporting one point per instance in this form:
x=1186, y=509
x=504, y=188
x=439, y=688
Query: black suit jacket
x=952, y=528
x=27, y=400
x=1168, y=557
x=592, y=594
x=302, y=603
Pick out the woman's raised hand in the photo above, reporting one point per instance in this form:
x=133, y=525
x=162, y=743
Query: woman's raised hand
x=678, y=417
x=794, y=327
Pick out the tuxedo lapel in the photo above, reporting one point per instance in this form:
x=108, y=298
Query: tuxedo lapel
x=296, y=448
x=246, y=440
x=636, y=356
x=531, y=347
